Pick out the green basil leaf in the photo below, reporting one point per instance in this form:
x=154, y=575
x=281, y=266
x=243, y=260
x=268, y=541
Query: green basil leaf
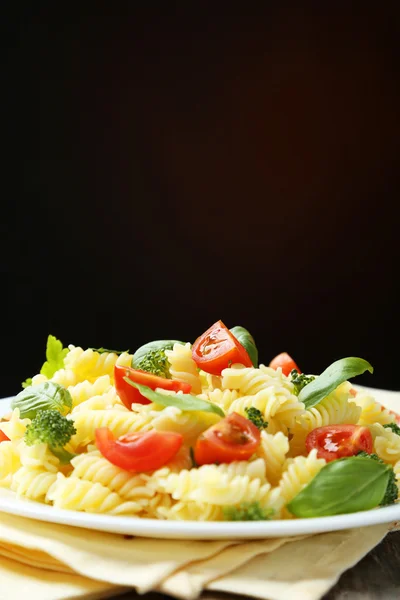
x=47, y=395
x=342, y=486
x=186, y=402
x=247, y=340
x=150, y=346
x=338, y=372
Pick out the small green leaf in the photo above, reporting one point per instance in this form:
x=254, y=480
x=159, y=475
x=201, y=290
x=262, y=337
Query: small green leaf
x=338, y=372
x=55, y=354
x=247, y=341
x=27, y=382
x=108, y=351
x=342, y=486
x=47, y=395
x=141, y=352
x=186, y=402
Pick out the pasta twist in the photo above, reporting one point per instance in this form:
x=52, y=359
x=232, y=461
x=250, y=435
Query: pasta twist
x=65, y=377
x=190, y=511
x=33, y=482
x=38, y=456
x=91, y=466
x=183, y=366
x=9, y=463
x=273, y=450
x=300, y=471
x=216, y=484
x=223, y=398
x=107, y=401
x=190, y=424
x=386, y=443
x=76, y=494
x=249, y=381
x=119, y=422
x=209, y=382
x=15, y=428
x=278, y=409
x=396, y=469
x=88, y=365
x=335, y=409
x=85, y=390
x=371, y=411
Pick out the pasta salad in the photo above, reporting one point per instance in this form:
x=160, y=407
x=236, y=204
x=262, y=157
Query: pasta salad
x=198, y=431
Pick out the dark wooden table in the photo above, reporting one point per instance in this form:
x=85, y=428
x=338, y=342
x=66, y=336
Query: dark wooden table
x=376, y=577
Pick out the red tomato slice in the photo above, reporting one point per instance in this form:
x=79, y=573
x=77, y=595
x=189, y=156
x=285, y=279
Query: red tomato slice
x=233, y=438
x=285, y=361
x=141, y=451
x=217, y=349
x=3, y=437
x=338, y=441
x=129, y=395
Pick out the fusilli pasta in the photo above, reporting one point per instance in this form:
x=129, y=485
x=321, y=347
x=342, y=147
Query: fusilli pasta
x=183, y=366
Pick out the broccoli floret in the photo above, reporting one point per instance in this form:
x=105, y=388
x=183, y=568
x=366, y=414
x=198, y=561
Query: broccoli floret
x=394, y=427
x=156, y=362
x=247, y=512
x=300, y=380
x=255, y=416
x=52, y=428
x=392, y=491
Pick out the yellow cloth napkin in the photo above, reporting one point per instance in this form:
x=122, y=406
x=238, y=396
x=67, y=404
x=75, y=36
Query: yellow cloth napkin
x=56, y=562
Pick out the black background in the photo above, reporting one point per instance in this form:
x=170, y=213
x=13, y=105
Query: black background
x=174, y=165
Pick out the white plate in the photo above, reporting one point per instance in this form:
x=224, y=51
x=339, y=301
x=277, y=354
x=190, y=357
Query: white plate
x=201, y=530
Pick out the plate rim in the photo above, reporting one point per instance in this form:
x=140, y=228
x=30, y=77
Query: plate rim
x=199, y=530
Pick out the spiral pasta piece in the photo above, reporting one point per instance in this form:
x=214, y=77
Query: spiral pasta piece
x=107, y=401
x=223, y=398
x=92, y=466
x=396, y=469
x=190, y=424
x=386, y=443
x=183, y=367
x=300, y=471
x=38, y=456
x=249, y=381
x=273, y=450
x=371, y=411
x=335, y=409
x=33, y=482
x=209, y=382
x=190, y=511
x=85, y=389
x=73, y=493
x=9, y=463
x=15, y=428
x=269, y=403
x=88, y=365
x=216, y=484
x=119, y=422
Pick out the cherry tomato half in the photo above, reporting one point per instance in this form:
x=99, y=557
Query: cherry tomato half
x=233, y=438
x=217, y=349
x=130, y=395
x=338, y=441
x=3, y=437
x=284, y=361
x=139, y=451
